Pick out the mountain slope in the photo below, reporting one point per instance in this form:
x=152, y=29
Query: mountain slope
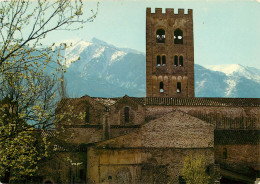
x=104, y=70
x=107, y=71
x=241, y=81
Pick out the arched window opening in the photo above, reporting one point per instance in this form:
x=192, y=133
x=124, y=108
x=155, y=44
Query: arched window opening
x=161, y=87
x=87, y=115
x=163, y=60
x=175, y=60
x=178, y=36
x=178, y=87
x=160, y=36
x=181, y=61
x=225, y=153
x=158, y=60
x=127, y=115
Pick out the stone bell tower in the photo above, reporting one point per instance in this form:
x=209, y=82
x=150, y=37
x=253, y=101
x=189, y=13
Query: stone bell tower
x=169, y=53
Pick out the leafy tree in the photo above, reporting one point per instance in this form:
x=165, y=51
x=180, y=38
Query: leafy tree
x=30, y=74
x=194, y=170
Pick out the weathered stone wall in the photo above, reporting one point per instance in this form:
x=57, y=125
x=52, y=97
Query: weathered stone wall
x=116, y=131
x=117, y=112
x=83, y=135
x=240, y=158
x=178, y=130
x=173, y=160
x=109, y=122
x=221, y=117
x=140, y=165
x=157, y=149
x=103, y=122
x=157, y=138
x=75, y=110
x=168, y=73
x=238, y=150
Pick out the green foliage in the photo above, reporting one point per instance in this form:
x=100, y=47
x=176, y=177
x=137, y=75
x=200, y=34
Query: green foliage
x=30, y=77
x=194, y=170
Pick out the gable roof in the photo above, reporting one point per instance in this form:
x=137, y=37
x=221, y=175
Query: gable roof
x=175, y=130
x=222, y=102
x=169, y=101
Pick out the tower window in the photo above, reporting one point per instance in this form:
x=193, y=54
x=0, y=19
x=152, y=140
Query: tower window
x=158, y=60
x=163, y=60
x=181, y=61
x=127, y=115
x=178, y=36
x=178, y=87
x=225, y=153
x=161, y=87
x=160, y=36
x=175, y=60
x=87, y=115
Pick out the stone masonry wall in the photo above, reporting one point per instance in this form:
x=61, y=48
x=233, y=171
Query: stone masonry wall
x=173, y=160
x=240, y=157
x=217, y=115
x=177, y=130
x=169, y=74
x=140, y=165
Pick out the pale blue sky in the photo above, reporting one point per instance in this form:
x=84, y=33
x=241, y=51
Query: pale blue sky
x=225, y=32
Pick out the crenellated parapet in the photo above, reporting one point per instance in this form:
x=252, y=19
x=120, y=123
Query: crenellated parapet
x=168, y=12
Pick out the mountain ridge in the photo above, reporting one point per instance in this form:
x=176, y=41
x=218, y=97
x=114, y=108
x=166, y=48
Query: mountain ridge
x=104, y=70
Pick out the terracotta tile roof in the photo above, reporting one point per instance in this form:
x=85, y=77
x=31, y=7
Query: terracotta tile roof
x=169, y=101
x=230, y=137
x=252, y=102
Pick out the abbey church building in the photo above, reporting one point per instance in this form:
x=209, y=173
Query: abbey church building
x=145, y=140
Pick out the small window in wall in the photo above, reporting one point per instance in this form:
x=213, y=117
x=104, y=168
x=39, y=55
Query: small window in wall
x=178, y=36
x=160, y=36
x=178, y=87
x=161, y=87
x=87, y=115
x=181, y=61
x=163, y=60
x=225, y=153
x=158, y=60
x=175, y=60
x=127, y=115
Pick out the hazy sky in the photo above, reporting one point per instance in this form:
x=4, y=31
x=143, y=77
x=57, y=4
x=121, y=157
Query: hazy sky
x=225, y=32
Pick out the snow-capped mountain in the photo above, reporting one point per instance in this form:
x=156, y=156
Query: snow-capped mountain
x=234, y=80
x=104, y=70
x=107, y=71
